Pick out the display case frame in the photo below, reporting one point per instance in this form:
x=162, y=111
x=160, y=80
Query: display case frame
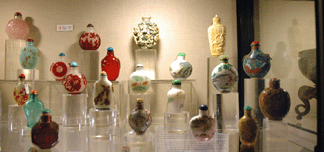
x=246, y=11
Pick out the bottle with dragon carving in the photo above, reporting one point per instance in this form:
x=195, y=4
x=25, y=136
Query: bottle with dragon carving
x=103, y=92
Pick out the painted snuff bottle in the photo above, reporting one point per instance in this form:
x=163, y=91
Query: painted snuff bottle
x=140, y=119
x=180, y=68
x=21, y=91
x=203, y=125
x=29, y=55
x=103, y=92
x=139, y=81
x=74, y=82
x=176, y=97
x=60, y=68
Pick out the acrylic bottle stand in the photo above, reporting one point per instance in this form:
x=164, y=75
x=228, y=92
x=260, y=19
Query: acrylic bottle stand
x=148, y=58
x=103, y=130
x=226, y=114
x=89, y=64
x=74, y=120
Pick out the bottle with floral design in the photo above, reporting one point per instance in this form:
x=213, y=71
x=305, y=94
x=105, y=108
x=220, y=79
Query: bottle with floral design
x=274, y=101
x=146, y=34
x=180, y=68
x=140, y=119
x=224, y=76
x=45, y=133
x=256, y=64
x=60, y=68
x=139, y=82
x=21, y=91
x=17, y=28
x=103, y=92
x=33, y=109
x=248, y=127
x=74, y=82
x=176, y=97
x=111, y=65
x=90, y=40
x=203, y=125
x=29, y=55
x=217, y=37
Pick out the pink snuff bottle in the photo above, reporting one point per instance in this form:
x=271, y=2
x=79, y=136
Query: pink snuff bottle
x=17, y=28
x=74, y=82
x=60, y=68
x=90, y=40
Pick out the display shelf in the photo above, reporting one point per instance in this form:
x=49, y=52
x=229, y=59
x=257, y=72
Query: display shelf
x=176, y=123
x=140, y=143
x=89, y=64
x=13, y=47
x=50, y=93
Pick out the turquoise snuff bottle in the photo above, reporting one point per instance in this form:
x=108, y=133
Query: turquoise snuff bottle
x=33, y=109
x=29, y=55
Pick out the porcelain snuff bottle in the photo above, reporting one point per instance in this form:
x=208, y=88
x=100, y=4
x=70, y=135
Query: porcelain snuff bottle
x=180, y=68
x=224, y=76
x=74, y=82
x=139, y=81
x=90, y=40
x=176, y=97
x=60, y=68
x=103, y=92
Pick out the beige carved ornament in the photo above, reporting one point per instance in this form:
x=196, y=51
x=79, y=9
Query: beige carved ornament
x=217, y=37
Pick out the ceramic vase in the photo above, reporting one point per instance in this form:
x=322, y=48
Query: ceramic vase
x=74, y=82
x=17, y=28
x=139, y=81
x=103, y=92
x=33, y=109
x=29, y=55
x=60, y=68
x=256, y=64
x=224, y=76
x=45, y=133
x=146, y=34
x=140, y=119
x=176, y=97
x=21, y=91
x=203, y=125
x=111, y=65
x=248, y=127
x=274, y=101
x=180, y=68
x=90, y=40
x=217, y=37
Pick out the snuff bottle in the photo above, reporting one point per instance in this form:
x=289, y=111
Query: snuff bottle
x=140, y=119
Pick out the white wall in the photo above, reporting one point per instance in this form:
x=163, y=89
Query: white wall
x=183, y=27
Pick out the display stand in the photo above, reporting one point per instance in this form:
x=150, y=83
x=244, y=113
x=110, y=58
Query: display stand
x=74, y=111
x=148, y=58
x=226, y=113
x=89, y=64
x=30, y=74
x=13, y=47
x=139, y=143
x=103, y=130
x=16, y=117
x=253, y=88
x=176, y=123
x=276, y=136
x=74, y=139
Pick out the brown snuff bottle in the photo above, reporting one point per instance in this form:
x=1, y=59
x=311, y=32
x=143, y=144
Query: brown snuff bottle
x=140, y=119
x=45, y=132
x=274, y=101
x=248, y=127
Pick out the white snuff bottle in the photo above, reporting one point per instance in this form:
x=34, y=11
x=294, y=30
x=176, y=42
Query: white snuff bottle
x=103, y=93
x=176, y=97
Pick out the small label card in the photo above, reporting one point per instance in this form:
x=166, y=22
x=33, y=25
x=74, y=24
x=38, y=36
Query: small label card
x=222, y=142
